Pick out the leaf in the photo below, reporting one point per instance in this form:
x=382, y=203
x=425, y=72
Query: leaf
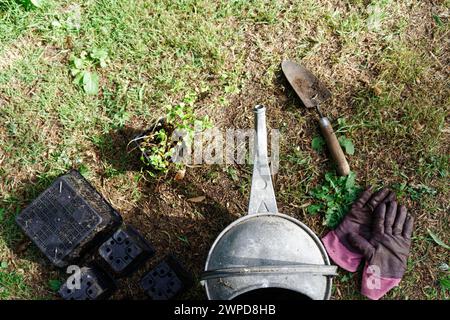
x=445, y=283
x=78, y=80
x=77, y=62
x=4, y=265
x=184, y=239
x=90, y=82
x=314, y=209
x=350, y=181
x=317, y=143
x=2, y=213
x=347, y=144
x=438, y=240
x=37, y=3
x=335, y=196
x=438, y=20
x=74, y=72
x=197, y=199
x=100, y=55
x=54, y=284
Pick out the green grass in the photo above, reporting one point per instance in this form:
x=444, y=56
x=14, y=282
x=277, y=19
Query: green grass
x=385, y=70
x=12, y=285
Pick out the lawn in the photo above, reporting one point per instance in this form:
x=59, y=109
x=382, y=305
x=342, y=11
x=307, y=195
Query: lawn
x=386, y=63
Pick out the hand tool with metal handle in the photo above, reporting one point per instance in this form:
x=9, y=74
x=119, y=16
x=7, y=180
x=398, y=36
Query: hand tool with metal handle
x=312, y=93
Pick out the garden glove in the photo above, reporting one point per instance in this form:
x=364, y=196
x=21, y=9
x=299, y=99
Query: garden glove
x=358, y=220
x=387, y=250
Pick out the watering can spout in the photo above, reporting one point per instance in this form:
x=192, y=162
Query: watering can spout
x=262, y=195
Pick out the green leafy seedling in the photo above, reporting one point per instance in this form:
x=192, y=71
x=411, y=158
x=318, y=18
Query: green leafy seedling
x=82, y=69
x=318, y=143
x=347, y=144
x=100, y=56
x=334, y=197
x=160, y=147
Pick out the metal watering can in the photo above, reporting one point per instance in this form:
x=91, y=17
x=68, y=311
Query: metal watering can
x=266, y=254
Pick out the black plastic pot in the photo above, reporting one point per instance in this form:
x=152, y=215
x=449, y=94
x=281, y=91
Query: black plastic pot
x=139, y=141
x=125, y=252
x=94, y=285
x=167, y=280
x=68, y=219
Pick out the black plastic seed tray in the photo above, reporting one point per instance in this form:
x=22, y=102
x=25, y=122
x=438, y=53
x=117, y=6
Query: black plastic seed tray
x=167, y=280
x=125, y=252
x=93, y=284
x=68, y=219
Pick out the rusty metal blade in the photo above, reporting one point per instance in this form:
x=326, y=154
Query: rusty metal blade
x=309, y=89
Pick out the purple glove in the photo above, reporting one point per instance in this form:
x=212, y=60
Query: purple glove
x=387, y=250
x=359, y=221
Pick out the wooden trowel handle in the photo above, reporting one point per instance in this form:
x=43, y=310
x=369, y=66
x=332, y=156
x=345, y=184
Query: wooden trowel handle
x=334, y=147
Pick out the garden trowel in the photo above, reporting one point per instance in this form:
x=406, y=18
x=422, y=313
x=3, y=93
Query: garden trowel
x=312, y=93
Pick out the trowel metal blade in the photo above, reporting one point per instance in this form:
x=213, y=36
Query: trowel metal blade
x=308, y=88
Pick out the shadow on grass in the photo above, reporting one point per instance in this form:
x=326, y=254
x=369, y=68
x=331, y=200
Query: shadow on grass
x=178, y=226
x=293, y=103
x=116, y=149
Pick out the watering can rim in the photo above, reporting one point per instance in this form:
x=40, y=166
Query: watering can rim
x=301, y=225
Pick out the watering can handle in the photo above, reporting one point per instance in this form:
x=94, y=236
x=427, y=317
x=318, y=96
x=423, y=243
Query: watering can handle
x=262, y=195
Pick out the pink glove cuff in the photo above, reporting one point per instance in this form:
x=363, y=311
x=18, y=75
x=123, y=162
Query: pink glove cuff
x=343, y=257
x=374, y=286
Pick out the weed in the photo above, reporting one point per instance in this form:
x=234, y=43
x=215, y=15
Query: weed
x=81, y=69
x=54, y=284
x=445, y=283
x=318, y=142
x=334, y=197
x=174, y=133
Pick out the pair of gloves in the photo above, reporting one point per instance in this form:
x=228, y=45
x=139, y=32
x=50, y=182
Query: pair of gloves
x=378, y=230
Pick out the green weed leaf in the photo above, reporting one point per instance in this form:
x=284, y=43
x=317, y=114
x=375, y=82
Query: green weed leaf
x=445, y=283
x=2, y=214
x=347, y=144
x=90, y=82
x=317, y=143
x=334, y=197
x=438, y=240
x=78, y=62
x=37, y=3
x=350, y=181
x=100, y=55
x=54, y=284
x=314, y=208
x=4, y=265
